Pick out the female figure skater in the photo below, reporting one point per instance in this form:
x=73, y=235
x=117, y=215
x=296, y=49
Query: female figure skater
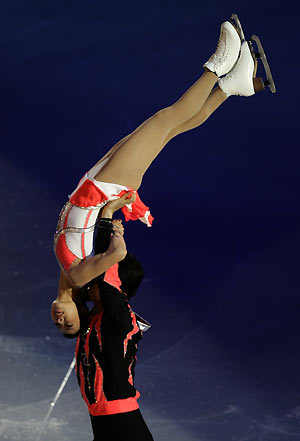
x=119, y=173
x=69, y=310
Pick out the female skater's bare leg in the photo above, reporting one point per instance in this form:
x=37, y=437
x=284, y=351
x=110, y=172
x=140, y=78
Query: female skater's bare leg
x=215, y=99
x=135, y=153
x=128, y=161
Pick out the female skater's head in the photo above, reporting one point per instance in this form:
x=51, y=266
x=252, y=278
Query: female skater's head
x=69, y=316
x=65, y=316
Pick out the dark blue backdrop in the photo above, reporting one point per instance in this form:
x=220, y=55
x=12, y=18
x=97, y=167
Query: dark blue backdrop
x=221, y=361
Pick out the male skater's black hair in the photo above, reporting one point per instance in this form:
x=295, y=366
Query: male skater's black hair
x=131, y=274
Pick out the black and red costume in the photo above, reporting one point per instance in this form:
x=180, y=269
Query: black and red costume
x=105, y=361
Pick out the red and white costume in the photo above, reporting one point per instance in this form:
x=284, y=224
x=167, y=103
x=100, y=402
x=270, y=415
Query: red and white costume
x=75, y=229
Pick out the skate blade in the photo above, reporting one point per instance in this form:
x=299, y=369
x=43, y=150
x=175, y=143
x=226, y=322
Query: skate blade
x=260, y=54
x=234, y=20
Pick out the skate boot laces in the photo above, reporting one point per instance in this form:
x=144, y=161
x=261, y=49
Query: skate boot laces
x=222, y=50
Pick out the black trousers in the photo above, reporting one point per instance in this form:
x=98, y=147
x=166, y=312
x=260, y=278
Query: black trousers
x=127, y=426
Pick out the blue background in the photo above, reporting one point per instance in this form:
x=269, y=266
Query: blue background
x=221, y=362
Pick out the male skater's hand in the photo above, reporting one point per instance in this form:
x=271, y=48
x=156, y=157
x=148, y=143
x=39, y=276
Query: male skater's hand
x=118, y=229
x=117, y=243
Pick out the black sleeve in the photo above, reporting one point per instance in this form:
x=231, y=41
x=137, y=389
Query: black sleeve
x=115, y=306
x=103, y=233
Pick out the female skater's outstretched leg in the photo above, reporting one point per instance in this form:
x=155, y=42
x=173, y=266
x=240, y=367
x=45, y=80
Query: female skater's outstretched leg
x=215, y=99
x=136, y=152
x=131, y=157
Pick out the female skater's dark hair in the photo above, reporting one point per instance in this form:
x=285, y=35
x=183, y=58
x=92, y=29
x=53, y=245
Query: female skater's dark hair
x=75, y=335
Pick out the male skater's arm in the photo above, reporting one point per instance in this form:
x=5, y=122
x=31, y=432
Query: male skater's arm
x=94, y=266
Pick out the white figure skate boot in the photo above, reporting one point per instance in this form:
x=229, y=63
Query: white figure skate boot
x=241, y=79
x=227, y=52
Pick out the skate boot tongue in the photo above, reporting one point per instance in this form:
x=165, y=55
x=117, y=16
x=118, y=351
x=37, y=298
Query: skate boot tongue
x=227, y=52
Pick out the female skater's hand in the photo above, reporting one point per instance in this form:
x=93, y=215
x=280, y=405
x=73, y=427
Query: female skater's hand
x=117, y=204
